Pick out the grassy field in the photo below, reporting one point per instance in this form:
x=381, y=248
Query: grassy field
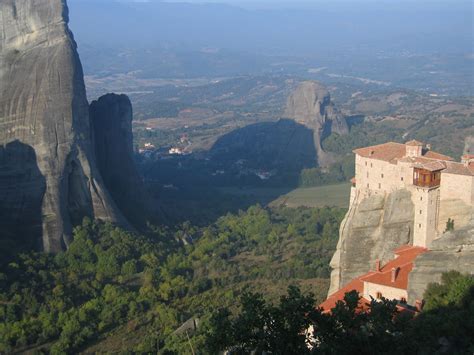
x=321, y=196
x=330, y=195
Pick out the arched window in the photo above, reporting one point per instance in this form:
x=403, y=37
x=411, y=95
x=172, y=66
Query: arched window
x=379, y=295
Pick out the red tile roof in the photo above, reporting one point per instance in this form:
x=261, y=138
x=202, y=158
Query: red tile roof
x=406, y=254
x=459, y=169
x=354, y=285
x=438, y=156
x=431, y=165
x=392, y=151
x=387, y=151
x=403, y=263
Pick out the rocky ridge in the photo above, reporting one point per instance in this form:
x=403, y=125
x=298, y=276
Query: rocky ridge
x=111, y=119
x=310, y=104
x=49, y=179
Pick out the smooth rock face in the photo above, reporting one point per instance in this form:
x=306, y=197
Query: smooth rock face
x=111, y=118
x=453, y=251
x=43, y=108
x=310, y=104
x=469, y=145
x=372, y=229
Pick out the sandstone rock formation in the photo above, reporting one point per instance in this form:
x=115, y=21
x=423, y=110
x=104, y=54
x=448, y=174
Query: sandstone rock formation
x=310, y=104
x=48, y=171
x=452, y=251
x=372, y=229
x=469, y=145
x=111, y=120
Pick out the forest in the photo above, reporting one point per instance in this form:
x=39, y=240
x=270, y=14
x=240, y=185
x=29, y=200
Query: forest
x=111, y=282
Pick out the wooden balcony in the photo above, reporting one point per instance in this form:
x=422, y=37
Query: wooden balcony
x=426, y=178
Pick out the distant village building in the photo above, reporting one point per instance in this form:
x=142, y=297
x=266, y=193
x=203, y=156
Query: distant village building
x=175, y=151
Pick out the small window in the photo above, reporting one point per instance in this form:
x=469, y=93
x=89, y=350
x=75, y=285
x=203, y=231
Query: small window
x=419, y=226
x=381, y=176
x=420, y=211
x=365, y=163
x=401, y=178
x=421, y=198
x=380, y=186
x=371, y=165
x=379, y=295
x=367, y=185
x=403, y=300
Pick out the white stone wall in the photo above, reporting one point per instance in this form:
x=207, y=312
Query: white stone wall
x=426, y=203
x=388, y=292
x=379, y=177
x=454, y=186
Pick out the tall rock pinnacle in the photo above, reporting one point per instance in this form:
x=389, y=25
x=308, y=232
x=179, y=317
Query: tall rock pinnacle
x=48, y=177
x=310, y=104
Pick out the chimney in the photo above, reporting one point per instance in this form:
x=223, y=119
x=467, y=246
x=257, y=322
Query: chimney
x=413, y=148
x=394, y=274
x=419, y=305
x=428, y=147
x=377, y=265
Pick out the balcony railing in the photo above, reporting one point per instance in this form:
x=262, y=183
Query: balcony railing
x=422, y=183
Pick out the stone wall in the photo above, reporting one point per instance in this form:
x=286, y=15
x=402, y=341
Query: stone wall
x=452, y=251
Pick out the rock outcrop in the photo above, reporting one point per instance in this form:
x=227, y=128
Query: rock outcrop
x=310, y=104
x=111, y=118
x=469, y=145
x=452, y=251
x=49, y=179
x=372, y=229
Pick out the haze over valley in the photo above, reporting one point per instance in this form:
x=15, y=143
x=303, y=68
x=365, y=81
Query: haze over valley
x=247, y=177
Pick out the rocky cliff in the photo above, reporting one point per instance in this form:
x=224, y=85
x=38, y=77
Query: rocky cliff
x=452, y=251
x=111, y=120
x=469, y=145
x=377, y=225
x=372, y=229
x=49, y=180
x=310, y=104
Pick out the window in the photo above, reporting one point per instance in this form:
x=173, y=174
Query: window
x=401, y=178
x=365, y=163
x=371, y=165
x=380, y=186
x=419, y=226
x=381, y=175
x=403, y=300
x=421, y=198
x=420, y=211
x=379, y=295
x=367, y=185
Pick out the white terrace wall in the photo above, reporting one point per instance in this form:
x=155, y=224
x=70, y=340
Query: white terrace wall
x=392, y=293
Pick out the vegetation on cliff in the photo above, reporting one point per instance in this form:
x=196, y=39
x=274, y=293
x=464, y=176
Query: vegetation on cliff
x=445, y=326
x=111, y=283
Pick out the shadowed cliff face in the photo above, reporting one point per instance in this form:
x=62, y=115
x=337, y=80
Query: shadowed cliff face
x=310, y=104
x=43, y=105
x=284, y=144
x=22, y=188
x=111, y=119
